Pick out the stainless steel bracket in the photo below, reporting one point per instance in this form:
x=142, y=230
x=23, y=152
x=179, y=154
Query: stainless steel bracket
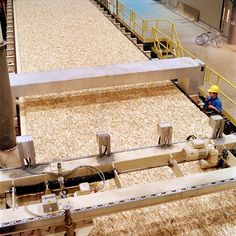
x=165, y=134
x=217, y=123
x=104, y=143
x=26, y=151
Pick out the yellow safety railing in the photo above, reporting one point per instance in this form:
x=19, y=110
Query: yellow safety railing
x=166, y=47
x=211, y=76
x=141, y=28
x=164, y=36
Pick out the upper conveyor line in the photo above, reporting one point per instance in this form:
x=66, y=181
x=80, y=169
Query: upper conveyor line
x=123, y=161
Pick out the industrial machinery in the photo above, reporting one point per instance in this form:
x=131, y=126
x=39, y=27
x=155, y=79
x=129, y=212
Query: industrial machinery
x=64, y=197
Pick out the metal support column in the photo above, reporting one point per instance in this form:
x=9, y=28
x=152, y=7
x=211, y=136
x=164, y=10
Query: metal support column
x=7, y=130
x=232, y=31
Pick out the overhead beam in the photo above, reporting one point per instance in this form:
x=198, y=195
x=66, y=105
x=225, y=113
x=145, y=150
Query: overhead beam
x=189, y=72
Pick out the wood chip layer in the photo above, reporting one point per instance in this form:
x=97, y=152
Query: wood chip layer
x=63, y=34
x=65, y=126
x=68, y=34
x=213, y=214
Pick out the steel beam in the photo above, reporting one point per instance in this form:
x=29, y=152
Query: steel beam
x=122, y=161
x=189, y=72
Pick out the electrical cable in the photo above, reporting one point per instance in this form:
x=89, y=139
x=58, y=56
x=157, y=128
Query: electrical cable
x=69, y=182
x=101, y=174
x=191, y=137
x=97, y=170
x=34, y=213
x=40, y=214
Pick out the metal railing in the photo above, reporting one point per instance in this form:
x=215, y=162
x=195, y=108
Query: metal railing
x=174, y=49
x=166, y=43
x=166, y=47
x=212, y=77
x=141, y=28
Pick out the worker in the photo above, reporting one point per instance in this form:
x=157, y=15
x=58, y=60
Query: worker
x=213, y=103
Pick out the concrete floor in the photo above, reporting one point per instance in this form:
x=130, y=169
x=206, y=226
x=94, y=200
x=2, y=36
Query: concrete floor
x=222, y=60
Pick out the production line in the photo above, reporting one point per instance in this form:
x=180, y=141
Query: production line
x=68, y=196
x=67, y=192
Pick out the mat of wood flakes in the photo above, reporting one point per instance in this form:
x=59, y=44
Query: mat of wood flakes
x=62, y=34
x=213, y=214
x=59, y=34
x=65, y=126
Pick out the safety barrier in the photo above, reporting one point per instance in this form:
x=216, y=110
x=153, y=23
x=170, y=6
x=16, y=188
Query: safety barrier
x=212, y=77
x=140, y=27
x=166, y=43
x=174, y=49
x=166, y=47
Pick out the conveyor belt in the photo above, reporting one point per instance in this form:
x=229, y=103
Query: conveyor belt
x=142, y=195
x=123, y=161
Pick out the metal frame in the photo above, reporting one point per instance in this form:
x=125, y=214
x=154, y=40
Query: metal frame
x=140, y=195
x=26, y=151
x=124, y=161
x=104, y=141
x=165, y=133
x=188, y=71
x=85, y=207
x=217, y=123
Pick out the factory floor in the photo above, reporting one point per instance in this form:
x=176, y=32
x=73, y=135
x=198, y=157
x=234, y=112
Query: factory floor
x=222, y=60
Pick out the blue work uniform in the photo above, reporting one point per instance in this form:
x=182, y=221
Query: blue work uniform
x=214, y=102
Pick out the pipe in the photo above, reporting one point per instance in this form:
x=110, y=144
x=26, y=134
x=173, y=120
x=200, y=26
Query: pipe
x=7, y=129
x=232, y=31
x=68, y=223
x=61, y=181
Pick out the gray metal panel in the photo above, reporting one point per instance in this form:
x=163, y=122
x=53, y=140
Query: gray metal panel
x=29, y=84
